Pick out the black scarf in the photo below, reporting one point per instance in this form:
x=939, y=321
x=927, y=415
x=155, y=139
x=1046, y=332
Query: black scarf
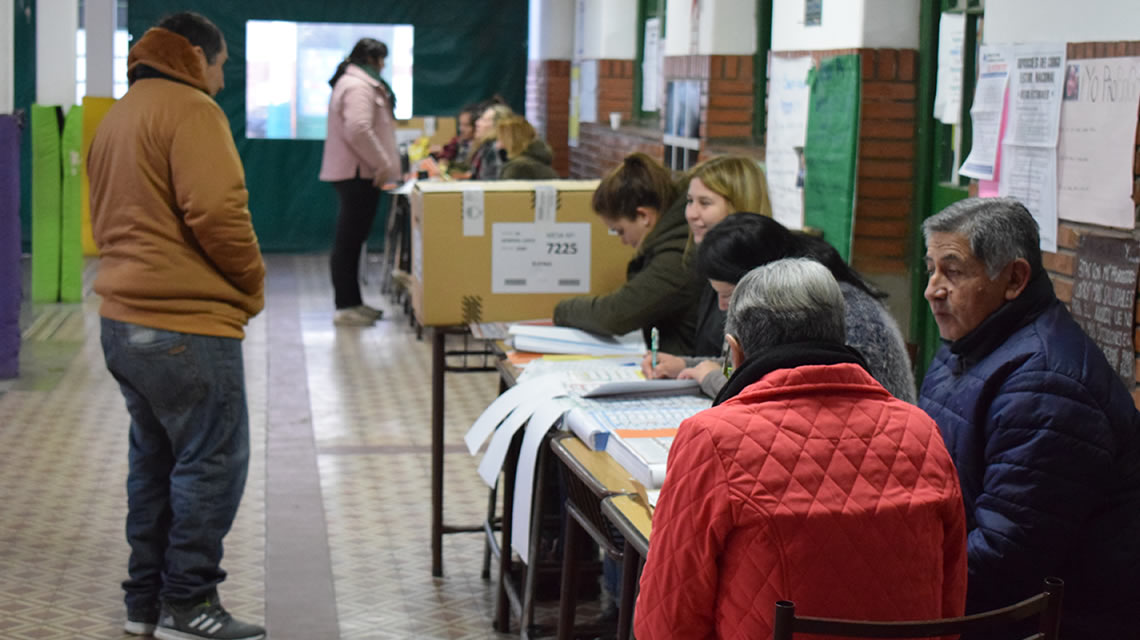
x=1001, y=324
x=787, y=356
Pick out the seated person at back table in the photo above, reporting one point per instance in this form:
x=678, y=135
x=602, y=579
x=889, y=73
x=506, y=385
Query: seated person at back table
x=743, y=243
x=638, y=201
x=1044, y=433
x=806, y=481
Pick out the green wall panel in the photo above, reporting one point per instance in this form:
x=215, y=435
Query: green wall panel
x=464, y=52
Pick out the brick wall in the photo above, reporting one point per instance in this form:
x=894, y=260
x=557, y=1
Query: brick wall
x=1062, y=264
x=885, y=182
x=599, y=147
x=548, y=106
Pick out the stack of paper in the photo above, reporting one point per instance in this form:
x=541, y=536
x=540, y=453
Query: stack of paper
x=643, y=453
x=566, y=340
x=594, y=419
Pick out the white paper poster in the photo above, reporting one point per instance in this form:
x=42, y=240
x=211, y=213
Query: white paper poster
x=1029, y=146
x=986, y=112
x=473, y=213
x=948, y=88
x=1036, y=80
x=652, y=63
x=787, y=128
x=1097, y=142
x=540, y=258
x=1030, y=175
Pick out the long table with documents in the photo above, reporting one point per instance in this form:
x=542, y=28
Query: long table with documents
x=602, y=398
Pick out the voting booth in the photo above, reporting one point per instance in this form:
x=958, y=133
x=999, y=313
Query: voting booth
x=508, y=250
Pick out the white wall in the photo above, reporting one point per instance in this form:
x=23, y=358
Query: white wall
x=891, y=24
x=610, y=30
x=847, y=24
x=678, y=27
x=551, y=33
x=1061, y=21
x=56, y=24
x=7, y=57
x=724, y=27
x=99, y=24
x=841, y=26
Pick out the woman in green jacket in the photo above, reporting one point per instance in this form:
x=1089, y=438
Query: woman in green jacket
x=639, y=202
x=528, y=156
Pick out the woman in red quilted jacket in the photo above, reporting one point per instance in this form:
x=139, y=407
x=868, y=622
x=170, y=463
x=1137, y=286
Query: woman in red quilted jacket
x=806, y=481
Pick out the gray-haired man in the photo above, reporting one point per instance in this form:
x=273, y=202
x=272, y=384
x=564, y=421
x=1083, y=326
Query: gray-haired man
x=807, y=481
x=1045, y=436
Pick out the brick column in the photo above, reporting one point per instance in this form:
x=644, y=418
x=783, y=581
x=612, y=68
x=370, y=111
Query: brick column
x=548, y=106
x=885, y=180
x=599, y=147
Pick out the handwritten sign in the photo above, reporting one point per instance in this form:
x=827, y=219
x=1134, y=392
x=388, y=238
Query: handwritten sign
x=1104, y=291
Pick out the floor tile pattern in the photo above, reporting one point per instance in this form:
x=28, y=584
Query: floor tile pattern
x=63, y=441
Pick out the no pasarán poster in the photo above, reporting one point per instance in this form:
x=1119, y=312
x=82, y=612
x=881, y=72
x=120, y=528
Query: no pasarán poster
x=1097, y=142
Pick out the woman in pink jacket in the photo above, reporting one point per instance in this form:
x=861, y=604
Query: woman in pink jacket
x=360, y=157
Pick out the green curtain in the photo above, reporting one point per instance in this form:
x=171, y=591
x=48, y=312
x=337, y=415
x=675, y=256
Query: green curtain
x=831, y=150
x=464, y=52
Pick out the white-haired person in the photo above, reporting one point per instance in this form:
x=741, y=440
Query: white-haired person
x=806, y=481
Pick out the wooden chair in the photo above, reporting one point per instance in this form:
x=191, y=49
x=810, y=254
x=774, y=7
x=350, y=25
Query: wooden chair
x=1046, y=607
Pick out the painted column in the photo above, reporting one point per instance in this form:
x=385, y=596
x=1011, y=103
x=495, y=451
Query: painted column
x=55, y=51
x=99, y=23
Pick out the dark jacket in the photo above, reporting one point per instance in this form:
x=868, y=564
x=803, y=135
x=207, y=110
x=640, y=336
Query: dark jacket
x=532, y=164
x=1047, y=443
x=710, y=323
x=485, y=162
x=659, y=292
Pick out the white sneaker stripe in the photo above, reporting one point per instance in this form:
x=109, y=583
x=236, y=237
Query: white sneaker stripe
x=213, y=628
x=197, y=621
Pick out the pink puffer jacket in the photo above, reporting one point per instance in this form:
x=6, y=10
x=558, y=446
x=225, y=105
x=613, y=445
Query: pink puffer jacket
x=361, y=140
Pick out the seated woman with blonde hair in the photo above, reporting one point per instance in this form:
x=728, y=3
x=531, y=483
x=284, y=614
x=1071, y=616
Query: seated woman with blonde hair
x=485, y=162
x=528, y=156
x=718, y=188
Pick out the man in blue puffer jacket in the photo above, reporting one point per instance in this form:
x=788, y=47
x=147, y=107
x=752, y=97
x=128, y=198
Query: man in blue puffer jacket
x=1045, y=435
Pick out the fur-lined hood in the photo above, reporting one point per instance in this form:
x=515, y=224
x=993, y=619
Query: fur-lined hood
x=169, y=54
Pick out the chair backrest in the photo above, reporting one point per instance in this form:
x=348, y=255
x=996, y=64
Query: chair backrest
x=1045, y=607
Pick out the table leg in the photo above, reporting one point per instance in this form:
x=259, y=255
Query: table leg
x=568, y=595
x=629, y=562
x=437, y=365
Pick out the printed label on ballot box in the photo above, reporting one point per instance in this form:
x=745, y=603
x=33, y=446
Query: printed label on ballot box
x=540, y=258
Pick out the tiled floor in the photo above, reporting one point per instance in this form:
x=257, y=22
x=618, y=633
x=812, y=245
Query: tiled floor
x=63, y=466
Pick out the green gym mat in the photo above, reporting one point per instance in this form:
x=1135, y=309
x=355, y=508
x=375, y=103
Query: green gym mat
x=71, y=210
x=46, y=184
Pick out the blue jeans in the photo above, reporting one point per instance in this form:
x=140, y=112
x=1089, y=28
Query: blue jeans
x=189, y=454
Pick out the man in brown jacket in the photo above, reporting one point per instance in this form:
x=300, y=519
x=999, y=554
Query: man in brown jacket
x=181, y=274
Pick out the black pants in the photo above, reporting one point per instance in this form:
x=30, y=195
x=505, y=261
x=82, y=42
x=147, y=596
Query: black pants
x=358, y=200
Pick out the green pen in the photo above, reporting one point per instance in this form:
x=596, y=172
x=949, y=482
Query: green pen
x=654, y=338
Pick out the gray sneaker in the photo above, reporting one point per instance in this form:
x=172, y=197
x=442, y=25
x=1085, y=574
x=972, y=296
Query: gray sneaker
x=353, y=317
x=203, y=620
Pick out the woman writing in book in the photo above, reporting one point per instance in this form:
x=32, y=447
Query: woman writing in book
x=639, y=202
x=742, y=243
x=718, y=188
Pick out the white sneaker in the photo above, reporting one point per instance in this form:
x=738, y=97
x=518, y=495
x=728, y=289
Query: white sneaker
x=372, y=311
x=353, y=317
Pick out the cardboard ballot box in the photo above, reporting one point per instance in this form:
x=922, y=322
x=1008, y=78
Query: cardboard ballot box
x=508, y=250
